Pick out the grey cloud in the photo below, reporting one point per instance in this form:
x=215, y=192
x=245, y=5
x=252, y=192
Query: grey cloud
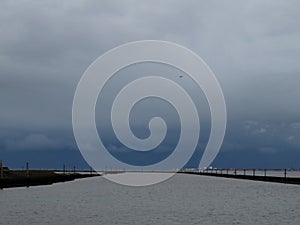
x=268, y=150
x=253, y=48
x=263, y=135
x=34, y=142
x=295, y=125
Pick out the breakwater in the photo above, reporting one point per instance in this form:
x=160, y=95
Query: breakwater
x=27, y=178
x=278, y=176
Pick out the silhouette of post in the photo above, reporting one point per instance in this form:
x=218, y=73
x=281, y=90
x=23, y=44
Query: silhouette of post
x=284, y=175
x=74, y=169
x=64, y=169
x=27, y=173
x=244, y=172
x=1, y=170
x=254, y=172
x=27, y=170
x=1, y=175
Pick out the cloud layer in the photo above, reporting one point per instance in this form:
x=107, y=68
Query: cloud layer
x=253, y=48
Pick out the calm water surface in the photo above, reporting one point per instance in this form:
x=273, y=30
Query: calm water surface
x=184, y=199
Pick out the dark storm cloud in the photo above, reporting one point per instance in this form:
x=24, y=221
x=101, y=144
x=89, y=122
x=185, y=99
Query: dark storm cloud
x=253, y=48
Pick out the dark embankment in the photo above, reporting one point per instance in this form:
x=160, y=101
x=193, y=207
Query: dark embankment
x=23, y=178
x=286, y=180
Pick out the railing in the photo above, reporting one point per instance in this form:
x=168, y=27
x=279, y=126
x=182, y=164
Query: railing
x=27, y=177
x=274, y=175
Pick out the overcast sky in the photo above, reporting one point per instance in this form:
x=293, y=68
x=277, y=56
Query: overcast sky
x=253, y=47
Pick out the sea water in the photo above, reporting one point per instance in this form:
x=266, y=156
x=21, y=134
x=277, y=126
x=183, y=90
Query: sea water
x=183, y=199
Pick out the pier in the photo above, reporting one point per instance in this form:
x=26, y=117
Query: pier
x=277, y=176
x=32, y=177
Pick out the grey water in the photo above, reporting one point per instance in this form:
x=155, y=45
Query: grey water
x=183, y=199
